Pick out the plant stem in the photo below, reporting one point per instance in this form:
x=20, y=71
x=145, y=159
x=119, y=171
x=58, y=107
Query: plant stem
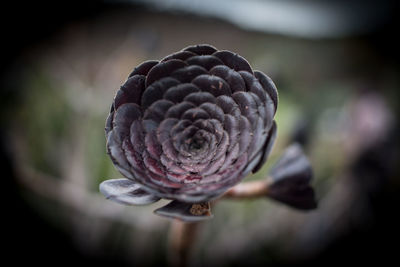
x=182, y=237
x=248, y=190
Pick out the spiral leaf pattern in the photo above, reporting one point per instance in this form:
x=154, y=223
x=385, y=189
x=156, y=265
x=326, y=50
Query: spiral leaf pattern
x=190, y=126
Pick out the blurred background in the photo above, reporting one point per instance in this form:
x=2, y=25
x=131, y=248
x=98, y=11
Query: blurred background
x=336, y=67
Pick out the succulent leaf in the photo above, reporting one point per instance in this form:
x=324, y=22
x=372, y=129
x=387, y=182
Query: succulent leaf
x=124, y=191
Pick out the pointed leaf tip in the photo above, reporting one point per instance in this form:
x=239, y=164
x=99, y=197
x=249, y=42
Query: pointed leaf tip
x=127, y=192
x=187, y=212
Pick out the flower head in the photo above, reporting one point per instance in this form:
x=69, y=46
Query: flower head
x=192, y=125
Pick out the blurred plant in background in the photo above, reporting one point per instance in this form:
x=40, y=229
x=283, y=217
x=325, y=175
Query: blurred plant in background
x=337, y=98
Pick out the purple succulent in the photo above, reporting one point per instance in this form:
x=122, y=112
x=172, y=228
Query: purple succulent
x=189, y=127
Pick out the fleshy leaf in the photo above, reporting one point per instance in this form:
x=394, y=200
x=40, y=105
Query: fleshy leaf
x=290, y=180
x=201, y=49
x=266, y=150
x=234, y=61
x=234, y=80
x=268, y=86
x=143, y=68
x=163, y=69
x=182, y=55
x=205, y=61
x=187, y=212
x=125, y=191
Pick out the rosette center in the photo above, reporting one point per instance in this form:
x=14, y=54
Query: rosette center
x=196, y=143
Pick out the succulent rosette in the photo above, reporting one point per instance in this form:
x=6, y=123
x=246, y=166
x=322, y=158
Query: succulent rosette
x=189, y=127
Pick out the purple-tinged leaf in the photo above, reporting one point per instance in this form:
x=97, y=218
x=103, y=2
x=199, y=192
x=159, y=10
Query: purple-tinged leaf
x=234, y=61
x=156, y=91
x=268, y=86
x=187, y=74
x=202, y=49
x=266, y=150
x=144, y=68
x=163, y=69
x=212, y=84
x=232, y=78
x=205, y=61
x=182, y=55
